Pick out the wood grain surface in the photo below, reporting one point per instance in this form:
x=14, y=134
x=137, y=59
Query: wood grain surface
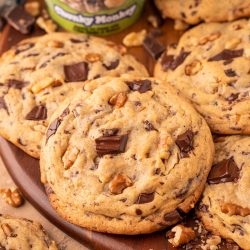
x=25, y=169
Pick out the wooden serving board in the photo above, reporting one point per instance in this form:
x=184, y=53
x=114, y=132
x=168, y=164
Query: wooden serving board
x=25, y=169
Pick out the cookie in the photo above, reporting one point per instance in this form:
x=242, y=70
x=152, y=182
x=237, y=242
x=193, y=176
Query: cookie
x=210, y=67
x=127, y=154
x=225, y=206
x=16, y=233
x=196, y=11
x=39, y=73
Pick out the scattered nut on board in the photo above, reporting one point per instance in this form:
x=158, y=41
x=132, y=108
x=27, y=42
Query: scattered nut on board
x=180, y=235
x=134, y=39
x=46, y=23
x=33, y=8
x=12, y=196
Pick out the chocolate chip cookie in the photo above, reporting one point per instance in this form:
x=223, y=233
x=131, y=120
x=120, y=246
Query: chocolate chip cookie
x=129, y=155
x=225, y=206
x=39, y=73
x=16, y=233
x=210, y=66
x=195, y=11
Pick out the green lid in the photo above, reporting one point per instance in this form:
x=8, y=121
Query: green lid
x=103, y=22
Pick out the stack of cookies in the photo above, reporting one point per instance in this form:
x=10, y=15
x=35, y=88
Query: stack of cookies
x=124, y=153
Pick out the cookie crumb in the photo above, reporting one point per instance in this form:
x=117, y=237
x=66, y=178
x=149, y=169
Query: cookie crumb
x=134, y=39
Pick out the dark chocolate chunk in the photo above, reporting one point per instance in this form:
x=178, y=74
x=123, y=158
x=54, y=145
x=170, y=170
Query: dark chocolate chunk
x=172, y=217
x=112, y=65
x=111, y=144
x=185, y=143
x=24, y=47
x=232, y=97
x=230, y=73
x=21, y=20
x=171, y=62
x=53, y=128
x=145, y=198
x=138, y=211
x=148, y=126
x=73, y=40
x=203, y=208
x=3, y=104
x=16, y=84
x=110, y=132
x=140, y=85
x=76, y=72
x=37, y=113
x=224, y=171
x=227, y=55
x=153, y=47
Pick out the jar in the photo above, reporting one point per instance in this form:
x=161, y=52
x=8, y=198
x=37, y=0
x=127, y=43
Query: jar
x=96, y=17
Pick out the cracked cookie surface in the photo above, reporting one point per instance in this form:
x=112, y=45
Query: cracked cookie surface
x=196, y=11
x=210, y=66
x=17, y=233
x=225, y=206
x=39, y=73
x=128, y=154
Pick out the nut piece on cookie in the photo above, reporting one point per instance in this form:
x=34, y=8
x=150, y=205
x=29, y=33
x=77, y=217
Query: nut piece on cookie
x=134, y=39
x=7, y=229
x=118, y=100
x=70, y=157
x=180, y=235
x=193, y=68
x=119, y=183
x=12, y=196
x=93, y=57
x=232, y=209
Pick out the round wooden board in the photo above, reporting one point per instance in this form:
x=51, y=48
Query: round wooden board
x=25, y=169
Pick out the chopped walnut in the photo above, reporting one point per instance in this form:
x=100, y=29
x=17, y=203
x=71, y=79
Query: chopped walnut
x=119, y=183
x=180, y=235
x=213, y=241
x=118, y=100
x=70, y=157
x=33, y=8
x=203, y=40
x=93, y=57
x=55, y=44
x=134, y=38
x=12, y=196
x=180, y=25
x=164, y=145
x=232, y=44
x=232, y=209
x=44, y=83
x=193, y=68
x=7, y=229
x=153, y=20
x=46, y=24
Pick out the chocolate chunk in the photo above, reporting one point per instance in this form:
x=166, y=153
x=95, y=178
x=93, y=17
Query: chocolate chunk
x=145, y=198
x=185, y=143
x=230, y=73
x=171, y=62
x=203, y=208
x=140, y=85
x=138, y=211
x=110, y=132
x=224, y=171
x=112, y=65
x=20, y=20
x=232, y=97
x=24, y=47
x=76, y=72
x=53, y=128
x=111, y=144
x=227, y=55
x=172, y=217
x=153, y=47
x=16, y=84
x=148, y=126
x=73, y=40
x=37, y=113
x=3, y=104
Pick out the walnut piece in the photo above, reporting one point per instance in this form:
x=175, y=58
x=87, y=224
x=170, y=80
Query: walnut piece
x=193, y=68
x=153, y=20
x=232, y=209
x=93, y=57
x=164, y=145
x=46, y=24
x=134, y=39
x=119, y=183
x=70, y=157
x=33, y=8
x=212, y=242
x=180, y=235
x=7, y=229
x=44, y=83
x=12, y=196
x=55, y=44
x=118, y=100
x=203, y=40
x=232, y=44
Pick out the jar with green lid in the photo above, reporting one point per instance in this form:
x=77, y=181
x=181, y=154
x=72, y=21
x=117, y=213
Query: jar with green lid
x=97, y=17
